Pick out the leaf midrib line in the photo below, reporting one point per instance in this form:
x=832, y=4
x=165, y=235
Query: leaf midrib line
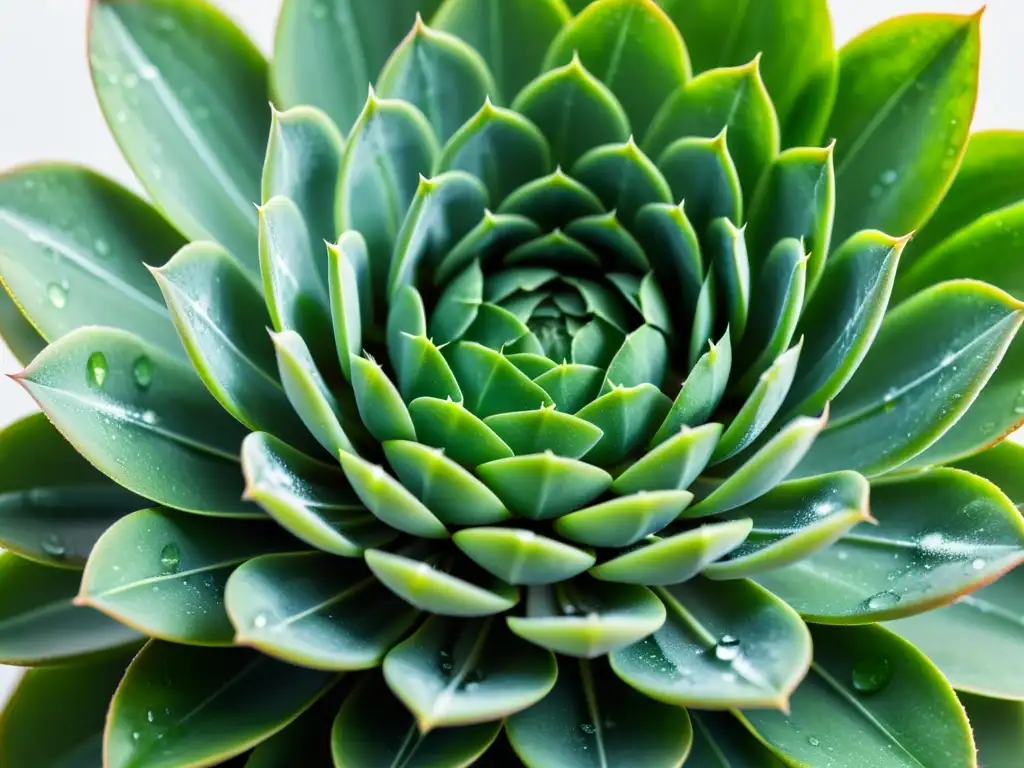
x=165, y=577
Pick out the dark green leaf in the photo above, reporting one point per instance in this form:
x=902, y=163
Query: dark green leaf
x=604, y=235
x=348, y=281
x=552, y=201
x=720, y=741
x=491, y=383
x=1002, y=465
x=701, y=172
x=389, y=500
x=380, y=405
x=998, y=729
x=643, y=358
x=542, y=486
x=701, y=392
x=625, y=520
x=623, y=177
x=463, y=436
x=571, y=385
x=16, y=331
x=671, y=244
x=494, y=235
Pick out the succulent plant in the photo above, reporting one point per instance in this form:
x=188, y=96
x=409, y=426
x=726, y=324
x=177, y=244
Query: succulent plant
x=618, y=353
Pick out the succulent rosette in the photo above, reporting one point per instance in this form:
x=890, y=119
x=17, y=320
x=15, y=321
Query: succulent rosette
x=591, y=384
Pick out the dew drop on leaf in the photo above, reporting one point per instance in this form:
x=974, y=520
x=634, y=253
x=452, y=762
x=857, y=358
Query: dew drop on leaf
x=260, y=621
x=588, y=728
x=871, y=675
x=882, y=600
x=54, y=547
x=150, y=716
x=977, y=564
x=142, y=372
x=170, y=557
x=727, y=648
x=96, y=369
x=1018, y=406
x=57, y=293
x=813, y=741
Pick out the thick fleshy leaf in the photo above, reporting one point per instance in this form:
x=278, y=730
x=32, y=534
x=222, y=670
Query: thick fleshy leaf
x=542, y=486
x=17, y=332
x=793, y=520
x=545, y=429
x=527, y=28
x=701, y=172
x=623, y=521
x=373, y=728
x=463, y=436
x=702, y=390
x=73, y=246
x=721, y=741
x=673, y=464
x=458, y=306
x=674, y=558
x=39, y=728
x=303, y=162
x=315, y=610
x=164, y=572
x=452, y=673
x=308, y=735
x=494, y=235
x=417, y=582
x=592, y=720
x=907, y=89
x=442, y=76
x=552, y=201
x=179, y=706
x=723, y=645
x=671, y=244
x=423, y=371
x=842, y=318
x=131, y=410
x=380, y=405
x=942, y=533
x=53, y=503
x=497, y=132
x=588, y=618
x=40, y=624
x=448, y=490
x=197, y=151
x=628, y=416
x=571, y=385
x=491, y=384
x=989, y=622
x=348, y=281
x=623, y=177
x=733, y=99
x=854, y=702
x=727, y=255
x=604, y=235
x=391, y=146
x=932, y=356
x=310, y=500
x=643, y=358
x=625, y=42
x=520, y=556
x=998, y=729
x=222, y=319
x=326, y=53
x=574, y=110
x=1002, y=465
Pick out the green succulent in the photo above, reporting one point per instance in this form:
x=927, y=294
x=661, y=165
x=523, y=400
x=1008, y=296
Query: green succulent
x=605, y=375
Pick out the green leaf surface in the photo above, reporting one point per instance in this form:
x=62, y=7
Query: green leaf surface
x=198, y=152
x=604, y=235
x=40, y=624
x=73, y=250
x=542, y=486
x=163, y=572
x=854, y=702
x=494, y=235
x=552, y=201
x=571, y=385
x=39, y=728
x=671, y=244
x=1001, y=464
x=574, y=110
x=222, y=318
x=941, y=534
x=53, y=503
x=701, y=392
x=143, y=418
x=990, y=622
x=625, y=42
x=16, y=331
x=907, y=90
x=702, y=172
x=452, y=673
x=623, y=177
x=628, y=416
x=720, y=741
x=311, y=500
x=374, y=728
x=545, y=429
x=458, y=306
x=178, y=706
x=463, y=436
x=673, y=464
x=348, y=281
x=932, y=356
x=723, y=645
x=625, y=520
x=316, y=611
x=588, y=618
x=491, y=383
x=520, y=556
x=380, y=405
x=423, y=370
x=998, y=729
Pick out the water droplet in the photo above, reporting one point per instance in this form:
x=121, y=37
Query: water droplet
x=446, y=666
x=977, y=564
x=882, y=600
x=727, y=648
x=813, y=741
x=260, y=621
x=1018, y=405
x=889, y=177
x=170, y=557
x=871, y=675
x=167, y=23
x=54, y=547
x=150, y=716
x=101, y=246
x=135, y=735
x=57, y=293
x=96, y=369
x=148, y=72
x=588, y=728
x=142, y=372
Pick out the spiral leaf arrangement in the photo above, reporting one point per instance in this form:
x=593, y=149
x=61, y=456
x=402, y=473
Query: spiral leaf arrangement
x=585, y=408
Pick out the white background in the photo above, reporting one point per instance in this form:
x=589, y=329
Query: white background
x=47, y=109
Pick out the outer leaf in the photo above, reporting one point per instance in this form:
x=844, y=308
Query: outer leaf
x=222, y=320
x=197, y=151
x=723, y=645
x=998, y=729
x=907, y=89
x=326, y=53
x=40, y=625
x=164, y=572
x=178, y=706
x=73, y=250
x=316, y=611
x=1001, y=464
x=53, y=503
x=374, y=728
x=308, y=735
x=39, y=728
x=625, y=42
x=452, y=673
x=312, y=501
x=515, y=54
x=854, y=701
x=88, y=383
x=991, y=623
x=592, y=720
x=942, y=533
x=944, y=344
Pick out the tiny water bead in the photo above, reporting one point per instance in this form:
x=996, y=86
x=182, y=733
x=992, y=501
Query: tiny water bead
x=871, y=675
x=142, y=372
x=727, y=648
x=882, y=600
x=813, y=741
x=54, y=547
x=170, y=557
x=96, y=369
x=588, y=728
x=57, y=293
x=260, y=621
x=977, y=564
